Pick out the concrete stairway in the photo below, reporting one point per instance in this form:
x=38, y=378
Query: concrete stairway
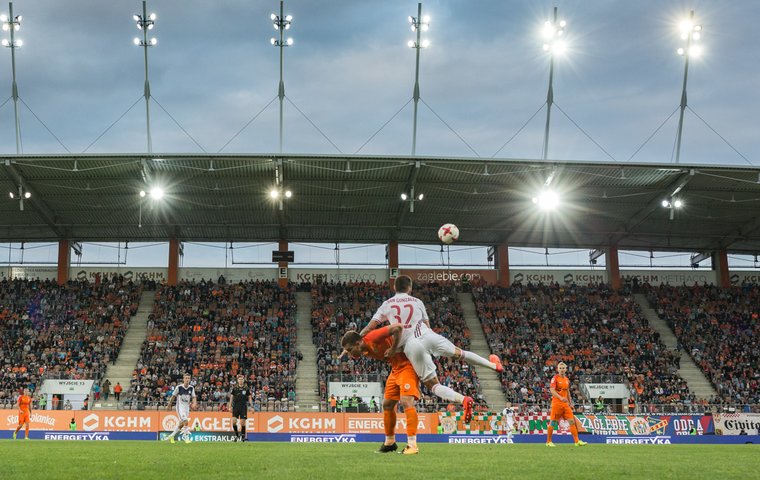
x=307, y=383
x=121, y=371
x=489, y=380
x=689, y=371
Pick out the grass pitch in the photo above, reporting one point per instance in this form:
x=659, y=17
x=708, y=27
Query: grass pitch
x=147, y=460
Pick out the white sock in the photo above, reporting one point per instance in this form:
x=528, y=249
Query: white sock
x=175, y=432
x=390, y=440
x=412, y=441
x=446, y=393
x=475, y=359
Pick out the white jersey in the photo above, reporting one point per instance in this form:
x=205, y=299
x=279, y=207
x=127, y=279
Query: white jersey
x=407, y=311
x=184, y=395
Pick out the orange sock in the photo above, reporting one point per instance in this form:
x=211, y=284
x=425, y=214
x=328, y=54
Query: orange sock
x=549, y=432
x=574, y=431
x=389, y=420
x=27, y=430
x=411, y=421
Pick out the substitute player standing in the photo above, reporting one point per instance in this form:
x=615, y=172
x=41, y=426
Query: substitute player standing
x=185, y=395
x=562, y=405
x=240, y=399
x=420, y=343
x=508, y=420
x=24, y=403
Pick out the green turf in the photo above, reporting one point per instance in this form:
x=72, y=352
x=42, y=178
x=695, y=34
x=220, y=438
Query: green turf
x=285, y=461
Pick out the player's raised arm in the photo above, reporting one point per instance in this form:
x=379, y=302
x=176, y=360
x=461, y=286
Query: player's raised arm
x=395, y=331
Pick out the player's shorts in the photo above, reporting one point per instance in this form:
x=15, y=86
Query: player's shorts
x=240, y=412
x=561, y=410
x=23, y=417
x=183, y=412
x=402, y=382
x=420, y=351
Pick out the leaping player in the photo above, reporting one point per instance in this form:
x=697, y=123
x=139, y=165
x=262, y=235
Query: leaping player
x=420, y=343
x=185, y=395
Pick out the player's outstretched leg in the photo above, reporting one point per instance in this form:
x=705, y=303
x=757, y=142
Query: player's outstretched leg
x=474, y=359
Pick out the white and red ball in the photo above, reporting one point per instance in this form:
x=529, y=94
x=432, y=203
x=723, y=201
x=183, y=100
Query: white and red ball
x=448, y=233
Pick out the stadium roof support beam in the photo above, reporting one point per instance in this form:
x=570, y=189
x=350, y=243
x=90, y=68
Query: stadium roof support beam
x=675, y=187
x=47, y=213
x=410, y=188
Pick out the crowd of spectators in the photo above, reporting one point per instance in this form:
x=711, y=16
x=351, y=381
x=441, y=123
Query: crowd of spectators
x=216, y=331
x=68, y=331
x=593, y=329
x=719, y=328
x=339, y=307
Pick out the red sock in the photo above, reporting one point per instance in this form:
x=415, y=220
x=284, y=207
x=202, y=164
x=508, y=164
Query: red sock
x=389, y=420
x=411, y=421
x=549, y=432
x=574, y=431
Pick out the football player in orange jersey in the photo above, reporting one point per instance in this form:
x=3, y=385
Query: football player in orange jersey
x=562, y=405
x=401, y=386
x=24, y=403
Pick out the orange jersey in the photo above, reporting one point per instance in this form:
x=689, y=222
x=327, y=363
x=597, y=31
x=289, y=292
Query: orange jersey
x=561, y=385
x=24, y=402
x=379, y=341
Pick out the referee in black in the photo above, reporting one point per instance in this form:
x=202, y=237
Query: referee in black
x=240, y=398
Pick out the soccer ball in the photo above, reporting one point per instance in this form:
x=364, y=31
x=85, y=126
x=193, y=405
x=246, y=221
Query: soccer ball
x=448, y=233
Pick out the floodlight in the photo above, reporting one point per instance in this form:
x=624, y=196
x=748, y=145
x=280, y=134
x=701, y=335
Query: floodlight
x=272, y=41
x=142, y=193
x=290, y=41
x=288, y=194
x=404, y=196
x=136, y=41
x=4, y=18
x=273, y=16
x=19, y=43
x=27, y=195
x=410, y=43
x=547, y=200
x=678, y=203
x=153, y=41
x=136, y=18
x=420, y=196
x=665, y=204
x=156, y=193
x=10, y=194
x=288, y=18
x=152, y=16
x=5, y=42
x=274, y=193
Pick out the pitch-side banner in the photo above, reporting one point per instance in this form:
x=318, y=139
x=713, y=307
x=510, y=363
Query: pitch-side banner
x=734, y=423
x=458, y=275
x=31, y=273
x=40, y=419
x=373, y=423
x=644, y=425
x=100, y=274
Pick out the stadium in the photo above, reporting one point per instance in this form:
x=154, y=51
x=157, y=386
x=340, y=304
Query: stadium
x=407, y=309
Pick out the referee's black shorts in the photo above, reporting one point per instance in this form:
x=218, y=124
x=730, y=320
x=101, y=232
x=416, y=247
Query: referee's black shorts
x=240, y=412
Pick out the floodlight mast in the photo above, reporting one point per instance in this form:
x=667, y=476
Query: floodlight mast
x=417, y=24
x=281, y=23
x=557, y=28
x=13, y=24
x=688, y=33
x=145, y=23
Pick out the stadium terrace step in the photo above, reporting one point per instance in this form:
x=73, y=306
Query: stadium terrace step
x=306, y=373
x=490, y=384
x=121, y=371
x=689, y=371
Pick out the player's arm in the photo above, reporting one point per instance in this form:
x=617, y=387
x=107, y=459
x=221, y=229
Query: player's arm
x=395, y=331
x=194, y=405
x=375, y=322
x=171, y=399
x=554, y=392
x=229, y=402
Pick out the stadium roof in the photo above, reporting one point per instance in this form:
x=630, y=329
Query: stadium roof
x=346, y=198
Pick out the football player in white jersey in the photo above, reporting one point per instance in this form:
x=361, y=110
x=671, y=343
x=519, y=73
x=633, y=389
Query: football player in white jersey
x=185, y=395
x=420, y=343
x=508, y=420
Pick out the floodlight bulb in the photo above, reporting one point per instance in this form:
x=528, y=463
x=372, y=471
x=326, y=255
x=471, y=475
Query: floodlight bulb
x=684, y=35
x=562, y=23
x=153, y=16
x=425, y=27
x=274, y=193
x=413, y=27
x=287, y=26
x=5, y=42
x=426, y=19
x=678, y=204
x=403, y=196
x=546, y=47
x=136, y=18
x=272, y=41
x=27, y=195
x=548, y=30
x=4, y=18
x=273, y=16
x=17, y=27
x=142, y=193
x=18, y=18
x=153, y=41
x=288, y=18
x=150, y=26
x=10, y=194
x=680, y=51
x=136, y=41
x=410, y=44
x=686, y=25
x=290, y=41
x=548, y=200
x=695, y=51
x=559, y=47
x=410, y=18
x=425, y=43
x=696, y=35
x=19, y=43
x=276, y=27
x=697, y=28
x=420, y=196
x=5, y=27
x=665, y=204
x=156, y=193
x=288, y=194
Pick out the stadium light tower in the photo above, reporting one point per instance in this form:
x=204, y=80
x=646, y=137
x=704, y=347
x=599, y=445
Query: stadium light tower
x=418, y=25
x=281, y=23
x=691, y=33
x=553, y=32
x=13, y=24
x=146, y=22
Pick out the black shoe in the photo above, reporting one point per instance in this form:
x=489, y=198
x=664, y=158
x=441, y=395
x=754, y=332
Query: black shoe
x=387, y=448
x=243, y=439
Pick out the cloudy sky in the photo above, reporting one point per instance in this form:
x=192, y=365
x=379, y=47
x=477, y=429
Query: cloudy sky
x=349, y=71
